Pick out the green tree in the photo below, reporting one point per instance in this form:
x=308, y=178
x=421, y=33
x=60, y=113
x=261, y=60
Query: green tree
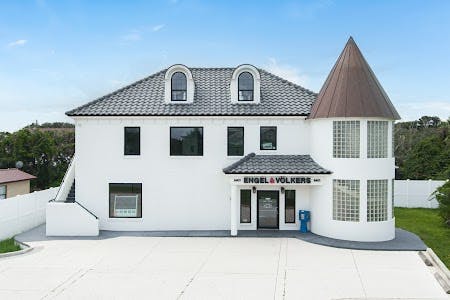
x=425, y=159
x=427, y=121
x=422, y=149
x=442, y=195
x=45, y=155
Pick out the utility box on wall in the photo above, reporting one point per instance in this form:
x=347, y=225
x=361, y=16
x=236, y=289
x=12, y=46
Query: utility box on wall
x=304, y=216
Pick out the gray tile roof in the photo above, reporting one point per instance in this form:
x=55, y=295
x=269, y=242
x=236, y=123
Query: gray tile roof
x=211, y=98
x=275, y=164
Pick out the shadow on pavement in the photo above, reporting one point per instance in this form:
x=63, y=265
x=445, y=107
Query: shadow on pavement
x=404, y=240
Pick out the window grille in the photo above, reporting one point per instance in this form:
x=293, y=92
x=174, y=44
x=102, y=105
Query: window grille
x=346, y=200
x=346, y=139
x=377, y=194
x=377, y=139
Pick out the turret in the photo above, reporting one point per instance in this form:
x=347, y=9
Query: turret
x=351, y=134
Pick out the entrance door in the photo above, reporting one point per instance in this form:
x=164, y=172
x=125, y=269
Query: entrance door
x=268, y=209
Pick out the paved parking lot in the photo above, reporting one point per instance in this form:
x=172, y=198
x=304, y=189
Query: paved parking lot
x=130, y=267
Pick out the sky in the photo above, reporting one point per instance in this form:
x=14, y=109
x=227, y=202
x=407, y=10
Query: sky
x=57, y=55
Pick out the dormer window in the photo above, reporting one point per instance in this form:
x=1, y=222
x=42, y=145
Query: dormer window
x=179, y=87
x=245, y=83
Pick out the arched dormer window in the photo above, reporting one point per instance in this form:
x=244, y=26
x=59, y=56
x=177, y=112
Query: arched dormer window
x=246, y=86
x=179, y=87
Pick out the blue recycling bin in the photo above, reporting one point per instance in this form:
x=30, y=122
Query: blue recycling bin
x=304, y=216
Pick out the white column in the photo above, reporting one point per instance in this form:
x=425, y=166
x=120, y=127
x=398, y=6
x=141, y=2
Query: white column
x=363, y=200
x=254, y=207
x=390, y=139
x=234, y=210
x=281, y=210
x=363, y=139
x=390, y=204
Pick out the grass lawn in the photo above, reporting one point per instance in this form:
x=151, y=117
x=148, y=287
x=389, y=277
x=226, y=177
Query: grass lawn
x=427, y=224
x=8, y=246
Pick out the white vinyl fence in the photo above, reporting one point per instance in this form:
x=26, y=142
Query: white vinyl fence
x=416, y=193
x=21, y=213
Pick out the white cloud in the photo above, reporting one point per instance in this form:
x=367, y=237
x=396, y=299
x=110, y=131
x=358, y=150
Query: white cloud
x=136, y=34
x=17, y=43
x=132, y=36
x=287, y=72
x=158, y=27
x=414, y=110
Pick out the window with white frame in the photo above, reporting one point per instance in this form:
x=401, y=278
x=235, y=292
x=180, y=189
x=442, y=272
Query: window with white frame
x=245, y=85
x=346, y=139
x=377, y=139
x=346, y=200
x=377, y=200
x=179, y=86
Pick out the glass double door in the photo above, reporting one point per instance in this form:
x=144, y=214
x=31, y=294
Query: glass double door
x=268, y=209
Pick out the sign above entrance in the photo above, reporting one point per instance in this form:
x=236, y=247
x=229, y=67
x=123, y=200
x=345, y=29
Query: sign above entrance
x=277, y=180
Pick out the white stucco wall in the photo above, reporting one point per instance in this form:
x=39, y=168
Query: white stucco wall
x=179, y=193
x=363, y=169
x=24, y=212
x=69, y=219
x=192, y=193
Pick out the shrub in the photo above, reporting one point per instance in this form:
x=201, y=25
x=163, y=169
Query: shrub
x=442, y=195
x=8, y=245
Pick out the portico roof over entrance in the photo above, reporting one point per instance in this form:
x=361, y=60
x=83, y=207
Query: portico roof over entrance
x=275, y=164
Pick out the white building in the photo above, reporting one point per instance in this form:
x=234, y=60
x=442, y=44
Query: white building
x=233, y=149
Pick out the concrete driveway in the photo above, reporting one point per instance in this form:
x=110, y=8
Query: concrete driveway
x=130, y=267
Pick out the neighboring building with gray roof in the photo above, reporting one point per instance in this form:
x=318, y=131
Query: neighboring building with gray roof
x=233, y=149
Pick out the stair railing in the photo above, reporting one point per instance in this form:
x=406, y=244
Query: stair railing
x=83, y=207
x=66, y=183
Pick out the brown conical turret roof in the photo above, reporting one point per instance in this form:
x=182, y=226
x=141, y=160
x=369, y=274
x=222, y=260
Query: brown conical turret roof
x=352, y=90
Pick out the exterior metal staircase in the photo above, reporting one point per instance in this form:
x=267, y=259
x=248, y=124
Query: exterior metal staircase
x=67, y=217
x=71, y=196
